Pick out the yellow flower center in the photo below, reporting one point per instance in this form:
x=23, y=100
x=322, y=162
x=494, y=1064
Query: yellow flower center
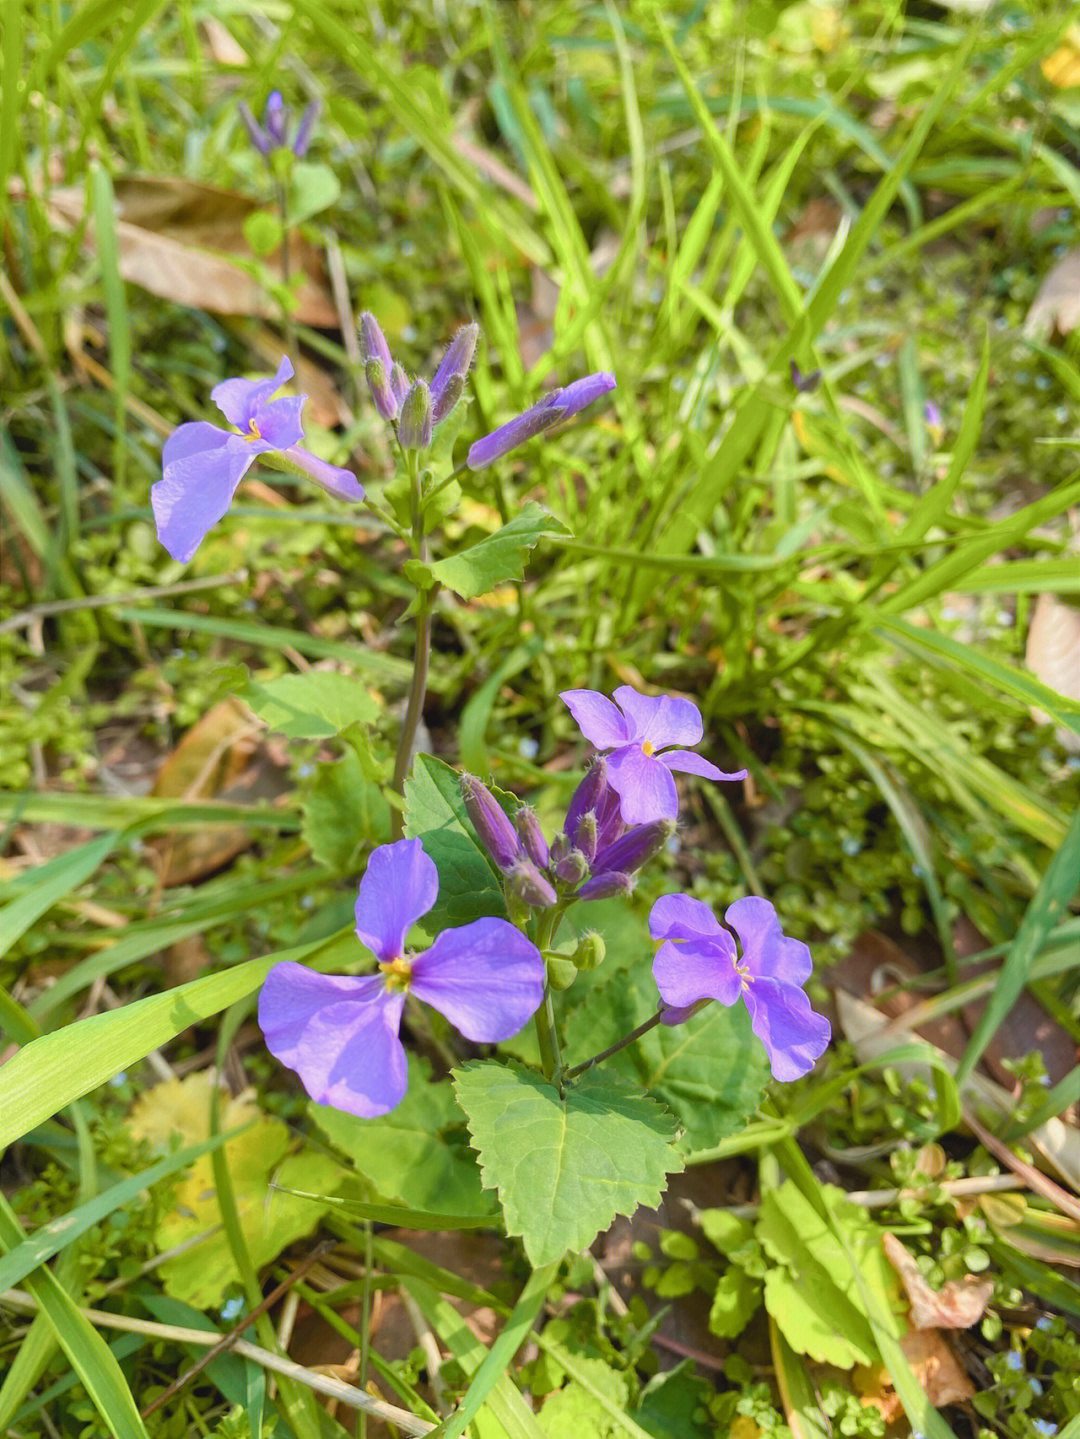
x=398, y=972
x=647, y=748
x=252, y=431
x=744, y=975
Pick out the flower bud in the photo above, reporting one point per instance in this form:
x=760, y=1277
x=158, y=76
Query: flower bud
x=609, y=885
x=302, y=139
x=526, y=883
x=276, y=118
x=635, y=848
x=561, y=972
x=399, y=382
x=447, y=398
x=449, y=381
x=381, y=393
x=532, y=836
x=609, y=820
x=585, y=835
x=590, y=951
x=491, y=823
x=588, y=794
x=414, y=422
x=572, y=867
x=378, y=366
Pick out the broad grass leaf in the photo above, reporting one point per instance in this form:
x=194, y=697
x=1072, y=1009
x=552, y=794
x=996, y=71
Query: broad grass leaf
x=435, y=814
x=498, y=558
x=416, y=1155
x=710, y=1071
x=565, y=1166
x=811, y=1290
x=315, y=705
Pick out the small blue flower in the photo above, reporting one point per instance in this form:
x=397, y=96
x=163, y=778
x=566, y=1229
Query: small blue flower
x=273, y=133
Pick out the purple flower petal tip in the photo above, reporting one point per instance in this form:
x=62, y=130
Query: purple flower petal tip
x=583, y=392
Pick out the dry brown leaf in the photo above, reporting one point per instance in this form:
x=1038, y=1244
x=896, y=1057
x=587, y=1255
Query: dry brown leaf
x=1057, y=305
x=184, y=241
x=936, y=1367
x=958, y=1304
x=1062, y=68
x=1053, y=648
x=222, y=44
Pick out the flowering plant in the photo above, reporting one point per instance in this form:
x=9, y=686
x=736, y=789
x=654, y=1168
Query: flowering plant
x=520, y=922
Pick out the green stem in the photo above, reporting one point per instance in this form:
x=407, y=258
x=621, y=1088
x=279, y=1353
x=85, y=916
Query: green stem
x=547, y=1037
x=414, y=707
x=634, y=1034
x=288, y=329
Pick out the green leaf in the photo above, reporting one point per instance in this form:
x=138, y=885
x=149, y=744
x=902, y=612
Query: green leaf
x=812, y=1291
x=263, y=232
x=314, y=188
x=435, y=814
x=498, y=558
x=416, y=1155
x=735, y=1302
x=565, y=1166
x=51, y=882
x=343, y=810
x=710, y=1071
x=315, y=705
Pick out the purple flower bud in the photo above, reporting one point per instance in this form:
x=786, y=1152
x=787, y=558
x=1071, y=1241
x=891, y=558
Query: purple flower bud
x=491, y=823
x=611, y=885
x=804, y=384
x=259, y=138
x=532, y=836
x=373, y=344
x=276, y=118
x=588, y=794
x=529, y=885
x=585, y=835
x=609, y=820
x=379, y=385
x=449, y=381
x=572, y=867
x=636, y=847
x=582, y=392
x=399, y=382
x=534, y=421
x=378, y=366
x=414, y=422
x=932, y=415
x=303, y=131
x=560, y=848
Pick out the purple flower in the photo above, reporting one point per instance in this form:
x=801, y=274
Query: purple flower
x=698, y=961
x=273, y=133
x=202, y=464
x=558, y=405
x=390, y=388
x=340, y=1034
x=634, y=728
x=804, y=384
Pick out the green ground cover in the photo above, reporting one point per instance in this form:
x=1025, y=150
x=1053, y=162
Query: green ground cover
x=845, y=578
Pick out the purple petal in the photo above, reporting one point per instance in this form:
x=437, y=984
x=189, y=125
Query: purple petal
x=582, y=392
x=238, y=400
x=342, y=483
x=399, y=885
x=534, y=421
x=659, y=719
x=276, y=117
x=680, y=916
x=645, y=788
x=339, y=1034
x=597, y=718
x=304, y=129
x=682, y=759
x=259, y=138
x=486, y=978
x=278, y=422
x=200, y=476
x=705, y=969
x=767, y=951
x=794, y=1035
x=456, y=361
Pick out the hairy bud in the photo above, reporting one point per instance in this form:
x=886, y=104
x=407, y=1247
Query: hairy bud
x=610, y=885
x=491, y=823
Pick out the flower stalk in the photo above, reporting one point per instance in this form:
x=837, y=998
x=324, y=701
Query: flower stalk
x=414, y=706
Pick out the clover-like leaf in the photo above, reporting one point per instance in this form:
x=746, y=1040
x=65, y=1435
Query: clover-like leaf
x=565, y=1166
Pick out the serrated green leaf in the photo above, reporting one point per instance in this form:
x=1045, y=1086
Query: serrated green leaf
x=498, y=558
x=565, y=1166
x=812, y=1291
x=315, y=705
x=342, y=811
x=435, y=814
x=711, y=1071
x=416, y=1155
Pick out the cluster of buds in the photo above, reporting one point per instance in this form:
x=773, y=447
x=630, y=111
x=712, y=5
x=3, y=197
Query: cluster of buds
x=418, y=407
x=596, y=856
x=273, y=133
